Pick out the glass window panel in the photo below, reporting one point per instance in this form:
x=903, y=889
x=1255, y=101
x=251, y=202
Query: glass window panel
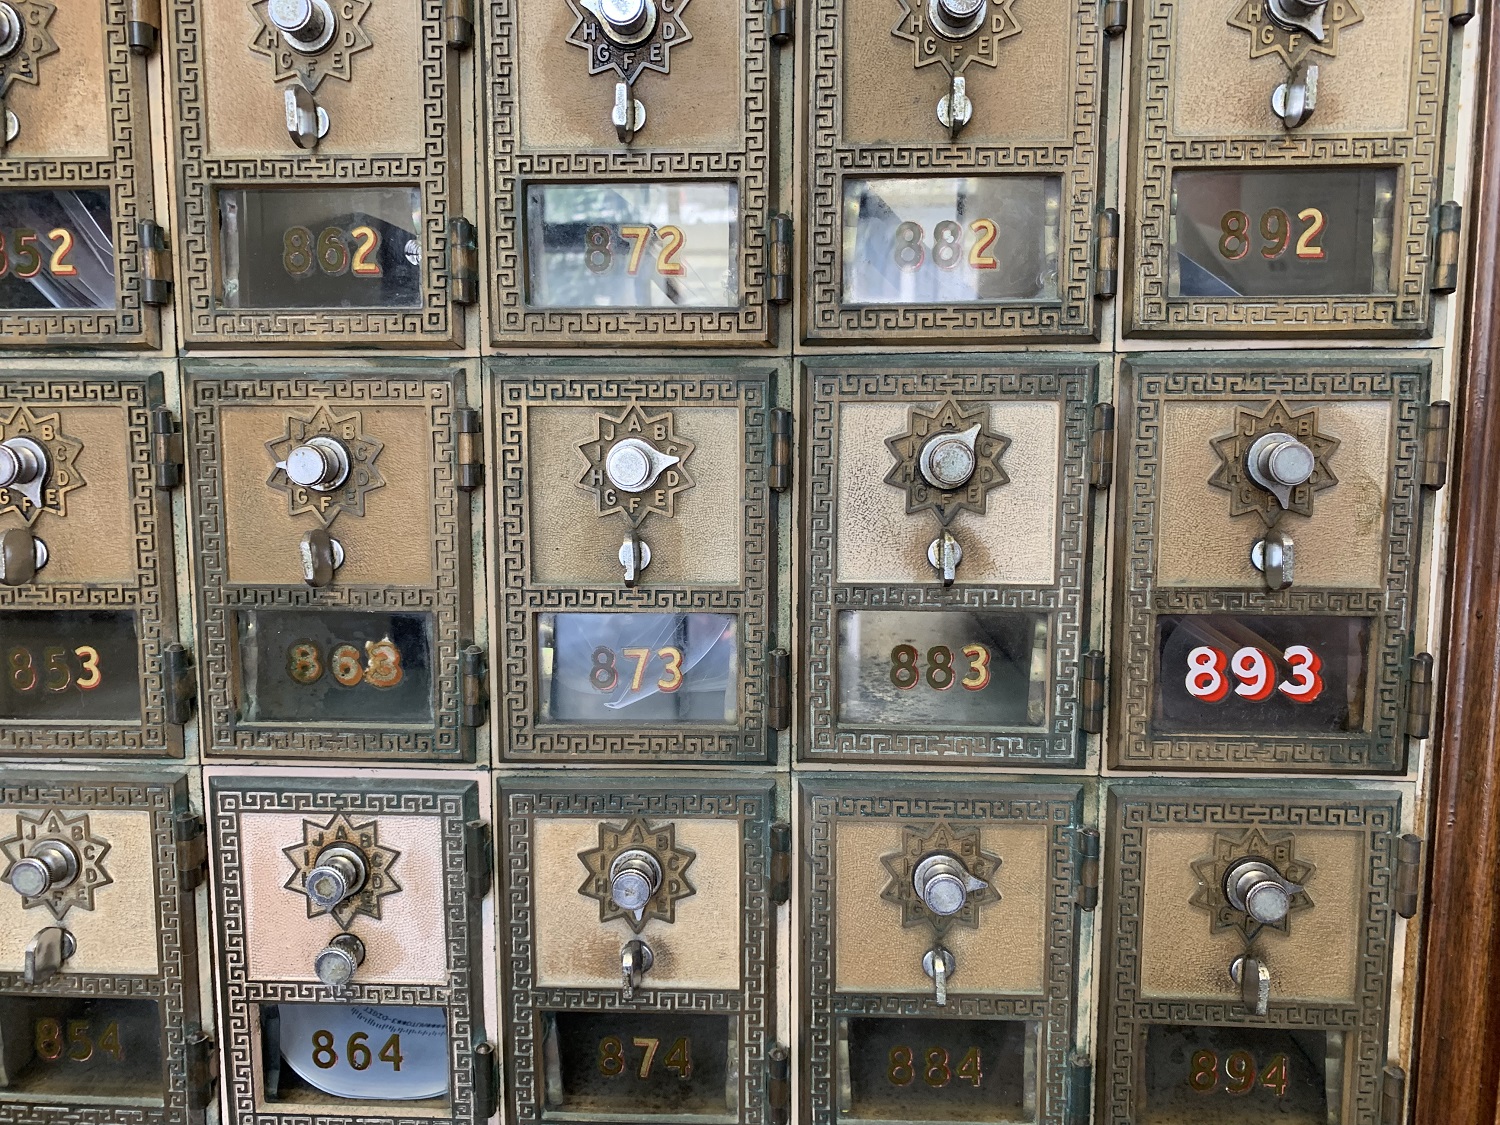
x=82, y=1048
x=357, y=1052
x=903, y=1070
x=57, y=250
x=70, y=665
x=1250, y=1074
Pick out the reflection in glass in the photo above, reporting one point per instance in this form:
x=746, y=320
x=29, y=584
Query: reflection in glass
x=358, y=1052
x=659, y=245
x=57, y=250
x=951, y=240
x=70, y=665
x=1195, y=1074
x=942, y=668
x=321, y=248
x=1282, y=234
x=625, y=668
x=82, y=1048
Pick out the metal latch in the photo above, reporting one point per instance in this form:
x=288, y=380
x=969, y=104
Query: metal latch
x=779, y=695
x=1116, y=17
x=191, y=837
x=480, y=869
x=475, y=706
x=1102, y=447
x=180, y=683
x=166, y=448
x=1086, y=843
x=1107, y=254
x=458, y=23
x=783, y=20
x=779, y=1093
x=781, y=862
x=143, y=26
x=463, y=262
x=1435, y=445
x=1445, y=254
x=156, y=264
x=469, y=425
x=781, y=450
x=202, y=1070
x=1408, y=874
x=1091, y=690
x=486, y=1082
x=1419, y=697
x=780, y=273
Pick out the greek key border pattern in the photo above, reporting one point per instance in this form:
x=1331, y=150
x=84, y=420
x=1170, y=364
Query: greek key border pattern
x=1064, y=601
x=1074, y=157
x=754, y=807
x=522, y=598
x=1134, y=810
x=152, y=593
x=1138, y=600
x=435, y=170
x=1159, y=153
x=209, y=388
x=824, y=805
x=511, y=168
x=451, y=805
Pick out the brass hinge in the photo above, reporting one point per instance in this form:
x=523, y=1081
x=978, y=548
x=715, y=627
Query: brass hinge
x=1408, y=874
x=1419, y=697
x=1445, y=255
x=202, y=1062
x=486, y=1082
x=781, y=862
x=1392, y=1095
x=1086, y=844
x=779, y=696
x=783, y=20
x=475, y=705
x=1080, y=1088
x=779, y=1093
x=156, y=264
x=180, y=683
x=191, y=838
x=166, y=448
x=1435, y=445
x=1107, y=254
x=781, y=259
x=469, y=424
x=781, y=450
x=1116, y=17
x=143, y=26
x=458, y=23
x=463, y=262
x=477, y=845
x=1091, y=705
x=1461, y=12
x=1102, y=447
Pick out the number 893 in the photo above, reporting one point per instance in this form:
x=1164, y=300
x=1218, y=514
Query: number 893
x=1206, y=678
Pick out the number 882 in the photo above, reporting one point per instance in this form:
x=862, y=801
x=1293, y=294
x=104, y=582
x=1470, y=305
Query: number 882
x=947, y=245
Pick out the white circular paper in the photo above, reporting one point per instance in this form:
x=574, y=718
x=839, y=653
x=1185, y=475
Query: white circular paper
x=423, y=1049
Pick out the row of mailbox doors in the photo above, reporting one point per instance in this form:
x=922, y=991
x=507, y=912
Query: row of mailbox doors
x=947, y=523
x=1247, y=935
x=1285, y=174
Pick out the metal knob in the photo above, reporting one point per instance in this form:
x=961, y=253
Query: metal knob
x=949, y=459
x=335, y=963
x=939, y=964
x=21, y=461
x=340, y=873
x=21, y=556
x=46, y=953
x=51, y=864
x=944, y=884
x=634, y=878
x=322, y=464
x=307, y=24
x=1257, y=888
x=957, y=19
x=626, y=18
x=633, y=465
x=12, y=30
x=1300, y=15
x=636, y=960
x=1278, y=462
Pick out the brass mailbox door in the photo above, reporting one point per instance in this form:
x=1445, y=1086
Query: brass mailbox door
x=331, y=534
x=78, y=223
x=88, y=619
x=947, y=508
x=940, y=934
x=631, y=174
x=1285, y=166
x=639, y=970
x=1267, y=538
x=98, y=950
x=319, y=151
x=1247, y=940
x=953, y=171
x=635, y=517
x=349, y=920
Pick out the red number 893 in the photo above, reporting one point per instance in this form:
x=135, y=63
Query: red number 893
x=1206, y=678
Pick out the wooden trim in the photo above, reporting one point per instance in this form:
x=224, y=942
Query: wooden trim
x=1458, y=1065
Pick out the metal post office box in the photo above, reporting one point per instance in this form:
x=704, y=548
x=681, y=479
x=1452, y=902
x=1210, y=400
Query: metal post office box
x=947, y=509
x=88, y=619
x=636, y=525
x=98, y=951
x=1268, y=527
x=349, y=918
x=631, y=174
x=638, y=964
x=331, y=532
x=1285, y=167
x=320, y=162
x=940, y=931
x=953, y=171
x=1247, y=944
x=79, y=263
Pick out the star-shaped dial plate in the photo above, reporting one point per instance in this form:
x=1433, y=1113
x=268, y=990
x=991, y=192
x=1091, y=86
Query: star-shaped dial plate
x=364, y=476
x=36, y=43
x=983, y=47
x=669, y=475
x=348, y=38
x=363, y=838
x=943, y=839
x=637, y=834
x=1267, y=37
x=1276, y=848
x=49, y=493
x=907, y=474
x=74, y=832
x=1233, y=474
x=654, y=53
